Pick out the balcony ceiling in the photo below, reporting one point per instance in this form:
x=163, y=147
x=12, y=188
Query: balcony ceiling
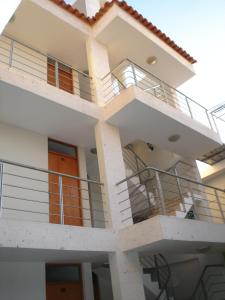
x=140, y=115
x=47, y=110
x=125, y=38
x=51, y=31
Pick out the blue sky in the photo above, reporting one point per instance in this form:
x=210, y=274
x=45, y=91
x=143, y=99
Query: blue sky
x=198, y=26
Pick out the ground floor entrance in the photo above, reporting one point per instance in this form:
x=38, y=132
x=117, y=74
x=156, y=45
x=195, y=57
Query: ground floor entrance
x=63, y=282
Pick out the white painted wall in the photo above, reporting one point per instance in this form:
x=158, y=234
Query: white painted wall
x=22, y=281
x=28, y=148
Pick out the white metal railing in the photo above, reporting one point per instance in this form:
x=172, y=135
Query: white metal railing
x=40, y=195
x=34, y=63
x=173, y=195
x=127, y=74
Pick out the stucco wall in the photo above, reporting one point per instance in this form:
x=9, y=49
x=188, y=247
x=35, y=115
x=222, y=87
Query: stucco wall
x=28, y=148
x=22, y=280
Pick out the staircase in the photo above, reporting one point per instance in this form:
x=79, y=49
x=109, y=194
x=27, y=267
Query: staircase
x=144, y=194
x=141, y=199
x=211, y=284
x=157, y=278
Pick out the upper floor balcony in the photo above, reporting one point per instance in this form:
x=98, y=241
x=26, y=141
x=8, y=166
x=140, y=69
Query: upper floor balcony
x=38, y=90
x=146, y=107
x=48, y=87
x=28, y=193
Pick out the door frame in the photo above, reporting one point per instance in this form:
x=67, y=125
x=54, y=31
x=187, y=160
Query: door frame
x=78, y=168
x=68, y=264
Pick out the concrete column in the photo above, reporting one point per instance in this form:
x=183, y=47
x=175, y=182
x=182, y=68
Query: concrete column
x=112, y=170
x=126, y=276
x=126, y=273
x=86, y=212
x=98, y=65
x=87, y=281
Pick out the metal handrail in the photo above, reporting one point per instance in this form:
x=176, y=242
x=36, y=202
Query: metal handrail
x=165, y=286
x=136, y=155
x=46, y=55
x=170, y=174
x=48, y=171
x=165, y=83
x=203, y=274
x=166, y=90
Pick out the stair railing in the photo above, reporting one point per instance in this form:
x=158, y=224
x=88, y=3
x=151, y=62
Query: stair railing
x=205, y=288
x=159, y=264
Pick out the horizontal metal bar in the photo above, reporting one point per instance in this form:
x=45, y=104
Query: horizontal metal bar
x=8, y=162
x=169, y=174
x=46, y=55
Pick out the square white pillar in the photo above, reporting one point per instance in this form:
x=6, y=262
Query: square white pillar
x=126, y=276
x=86, y=209
x=98, y=66
x=112, y=170
x=87, y=281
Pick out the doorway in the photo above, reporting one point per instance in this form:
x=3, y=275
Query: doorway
x=64, y=207
x=63, y=282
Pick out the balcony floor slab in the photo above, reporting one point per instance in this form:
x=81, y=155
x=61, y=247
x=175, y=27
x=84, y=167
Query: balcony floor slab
x=23, y=240
x=173, y=235
x=140, y=115
x=33, y=104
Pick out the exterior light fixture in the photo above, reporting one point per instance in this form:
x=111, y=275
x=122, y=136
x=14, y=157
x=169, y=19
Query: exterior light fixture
x=93, y=151
x=174, y=138
x=152, y=60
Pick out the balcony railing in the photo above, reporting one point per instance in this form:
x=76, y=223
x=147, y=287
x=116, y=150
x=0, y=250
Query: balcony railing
x=34, y=194
x=130, y=74
x=36, y=64
x=172, y=195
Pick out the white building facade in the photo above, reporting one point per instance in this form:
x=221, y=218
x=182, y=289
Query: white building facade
x=100, y=195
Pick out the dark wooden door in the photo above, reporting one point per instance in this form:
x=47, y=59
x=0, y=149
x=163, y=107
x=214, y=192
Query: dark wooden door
x=64, y=291
x=63, y=282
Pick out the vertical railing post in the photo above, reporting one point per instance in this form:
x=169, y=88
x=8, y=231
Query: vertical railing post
x=90, y=205
x=61, y=204
x=160, y=192
x=204, y=290
x=189, y=108
x=134, y=74
x=56, y=74
x=219, y=205
x=179, y=190
x=207, y=114
x=214, y=122
x=1, y=187
x=164, y=91
x=11, y=53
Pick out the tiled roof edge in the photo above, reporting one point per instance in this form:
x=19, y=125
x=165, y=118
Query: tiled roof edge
x=132, y=12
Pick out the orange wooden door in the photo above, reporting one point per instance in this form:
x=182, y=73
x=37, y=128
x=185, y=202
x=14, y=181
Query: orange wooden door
x=65, y=79
x=64, y=291
x=51, y=72
x=70, y=190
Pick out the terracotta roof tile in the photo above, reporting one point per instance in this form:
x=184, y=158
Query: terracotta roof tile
x=131, y=11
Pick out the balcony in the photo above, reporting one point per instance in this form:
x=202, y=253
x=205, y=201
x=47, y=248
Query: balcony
x=145, y=107
x=171, y=213
x=45, y=68
x=38, y=195
x=159, y=192
x=36, y=89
